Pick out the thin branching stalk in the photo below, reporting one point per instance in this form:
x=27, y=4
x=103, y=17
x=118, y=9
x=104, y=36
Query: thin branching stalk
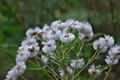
x=23, y=78
x=91, y=77
x=72, y=46
x=107, y=73
x=81, y=47
x=89, y=62
x=37, y=61
x=33, y=63
x=47, y=74
x=42, y=69
x=49, y=68
x=34, y=69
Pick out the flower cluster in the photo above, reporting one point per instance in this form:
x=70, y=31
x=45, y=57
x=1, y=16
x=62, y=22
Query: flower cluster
x=113, y=55
x=29, y=48
x=103, y=44
x=53, y=39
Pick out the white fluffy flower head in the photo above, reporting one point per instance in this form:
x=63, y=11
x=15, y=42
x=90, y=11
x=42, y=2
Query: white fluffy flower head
x=111, y=60
x=29, y=41
x=94, y=70
x=67, y=37
x=73, y=24
x=22, y=56
x=58, y=24
x=85, y=28
x=98, y=45
x=32, y=50
x=19, y=69
x=77, y=63
x=85, y=37
x=49, y=46
x=53, y=34
x=107, y=41
x=36, y=33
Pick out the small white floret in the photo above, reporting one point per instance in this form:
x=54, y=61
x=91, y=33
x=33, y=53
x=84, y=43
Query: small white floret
x=35, y=33
x=85, y=37
x=67, y=37
x=8, y=77
x=58, y=24
x=19, y=69
x=94, y=70
x=29, y=41
x=22, y=56
x=45, y=59
x=49, y=46
x=111, y=60
x=77, y=63
x=32, y=50
x=86, y=28
x=53, y=34
x=98, y=45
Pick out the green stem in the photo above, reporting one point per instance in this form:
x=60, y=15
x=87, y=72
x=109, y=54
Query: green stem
x=39, y=69
x=91, y=60
x=110, y=68
x=74, y=70
x=33, y=63
x=94, y=55
x=81, y=70
x=48, y=74
x=90, y=77
x=54, y=60
x=22, y=77
x=37, y=61
x=34, y=68
x=49, y=68
x=78, y=54
x=72, y=46
x=53, y=75
x=101, y=72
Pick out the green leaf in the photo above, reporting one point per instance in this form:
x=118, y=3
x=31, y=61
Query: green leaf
x=83, y=78
x=87, y=52
x=75, y=14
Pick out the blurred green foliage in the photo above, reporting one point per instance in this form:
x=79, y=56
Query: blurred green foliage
x=16, y=16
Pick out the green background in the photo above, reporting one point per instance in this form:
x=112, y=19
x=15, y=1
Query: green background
x=16, y=16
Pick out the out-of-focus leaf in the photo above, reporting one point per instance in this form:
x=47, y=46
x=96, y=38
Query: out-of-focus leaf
x=87, y=53
x=6, y=45
x=98, y=34
x=1, y=36
x=57, y=13
x=2, y=19
x=97, y=18
x=75, y=14
x=83, y=78
x=88, y=44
